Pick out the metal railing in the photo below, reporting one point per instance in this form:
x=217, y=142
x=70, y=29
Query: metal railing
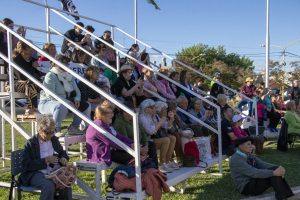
x=119, y=52
x=135, y=153
x=135, y=40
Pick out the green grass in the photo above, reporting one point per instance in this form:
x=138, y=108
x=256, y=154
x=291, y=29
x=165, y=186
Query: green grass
x=201, y=186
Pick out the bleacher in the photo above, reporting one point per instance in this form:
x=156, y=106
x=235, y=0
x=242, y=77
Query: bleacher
x=174, y=178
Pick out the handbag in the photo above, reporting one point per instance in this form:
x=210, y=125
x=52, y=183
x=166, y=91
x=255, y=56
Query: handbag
x=63, y=177
x=204, y=146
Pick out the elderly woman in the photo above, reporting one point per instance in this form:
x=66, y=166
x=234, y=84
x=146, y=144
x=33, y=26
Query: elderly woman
x=43, y=154
x=63, y=85
x=292, y=118
x=101, y=149
x=198, y=110
x=156, y=129
x=123, y=124
x=23, y=57
x=164, y=88
x=252, y=176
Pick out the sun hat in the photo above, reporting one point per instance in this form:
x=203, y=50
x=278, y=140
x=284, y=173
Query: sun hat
x=125, y=67
x=237, y=118
x=249, y=79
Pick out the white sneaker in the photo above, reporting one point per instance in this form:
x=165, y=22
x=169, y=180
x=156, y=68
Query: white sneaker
x=60, y=134
x=165, y=169
x=173, y=165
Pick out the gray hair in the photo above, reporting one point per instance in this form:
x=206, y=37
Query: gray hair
x=160, y=105
x=145, y=104
x=180, y=98
x=221, y=97
x=44, y=122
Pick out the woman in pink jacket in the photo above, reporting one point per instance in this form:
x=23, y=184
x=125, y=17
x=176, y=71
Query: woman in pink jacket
x=164, y=88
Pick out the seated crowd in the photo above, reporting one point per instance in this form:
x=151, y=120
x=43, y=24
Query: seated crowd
x=161, y=124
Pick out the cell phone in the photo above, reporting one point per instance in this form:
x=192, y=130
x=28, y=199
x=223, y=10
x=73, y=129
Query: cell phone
x=142, y=75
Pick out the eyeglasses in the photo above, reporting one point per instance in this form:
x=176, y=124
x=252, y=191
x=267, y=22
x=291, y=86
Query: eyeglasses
x=49, y=132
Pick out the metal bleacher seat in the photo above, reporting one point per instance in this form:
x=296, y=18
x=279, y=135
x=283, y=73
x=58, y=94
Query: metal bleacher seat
x=15, y=163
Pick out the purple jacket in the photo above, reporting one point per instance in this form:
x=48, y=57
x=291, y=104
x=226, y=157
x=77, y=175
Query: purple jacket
x=98, y=146
x=165, y=90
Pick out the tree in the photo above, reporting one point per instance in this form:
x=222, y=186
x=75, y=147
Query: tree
x=233, y=68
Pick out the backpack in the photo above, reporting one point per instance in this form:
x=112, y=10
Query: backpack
x=191, y=149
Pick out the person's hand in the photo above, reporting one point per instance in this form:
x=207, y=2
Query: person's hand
x=140, y=82
x=280, y=171
x=144, y=150
x=51, y=160
x=207, y=113
x=35, y=64
x=63, y=161
x=163, y=119
x=76, y=104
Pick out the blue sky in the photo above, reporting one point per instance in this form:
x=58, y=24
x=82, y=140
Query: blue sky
x=239, y=25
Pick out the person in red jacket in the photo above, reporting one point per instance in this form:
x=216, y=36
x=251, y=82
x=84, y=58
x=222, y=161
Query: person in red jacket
x=248, y=90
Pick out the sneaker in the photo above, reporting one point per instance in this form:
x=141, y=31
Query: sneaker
x=173, y=165
x=165, y=169
x=70, y=7
x=72, y=130
x=60, y=134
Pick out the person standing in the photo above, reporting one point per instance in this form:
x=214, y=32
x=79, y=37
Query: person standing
x=248, y=90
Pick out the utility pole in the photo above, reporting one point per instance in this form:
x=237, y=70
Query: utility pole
x=267, y=45
x=135, y=21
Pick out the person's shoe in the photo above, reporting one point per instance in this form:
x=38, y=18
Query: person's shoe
x=165, y=169
x=70, y=7
x=60, y=134
x=173, y=165
x=72, y=130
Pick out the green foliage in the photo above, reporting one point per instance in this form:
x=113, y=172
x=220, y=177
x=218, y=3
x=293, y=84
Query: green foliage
x=233, y=67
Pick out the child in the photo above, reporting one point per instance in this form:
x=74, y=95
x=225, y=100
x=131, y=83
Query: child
x=236, y=126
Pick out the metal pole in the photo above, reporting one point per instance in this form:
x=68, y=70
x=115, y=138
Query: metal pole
x=220, y=156
x=137, y=157
x=47, y=13
x=135, y=21
x=12, y=89
x=2, y=150
x=267, y=44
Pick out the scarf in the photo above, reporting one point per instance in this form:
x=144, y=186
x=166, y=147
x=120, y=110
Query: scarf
x=65, y=78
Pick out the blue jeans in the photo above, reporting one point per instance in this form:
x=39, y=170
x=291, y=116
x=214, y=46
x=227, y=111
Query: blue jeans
x=77, y=120
x=56, y=109
x=47, y=187
x=60, y=112
x=245, y=102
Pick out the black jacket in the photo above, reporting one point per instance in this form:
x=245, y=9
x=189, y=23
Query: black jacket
x=32, y=162
x=72, y=36
x=282, y=142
